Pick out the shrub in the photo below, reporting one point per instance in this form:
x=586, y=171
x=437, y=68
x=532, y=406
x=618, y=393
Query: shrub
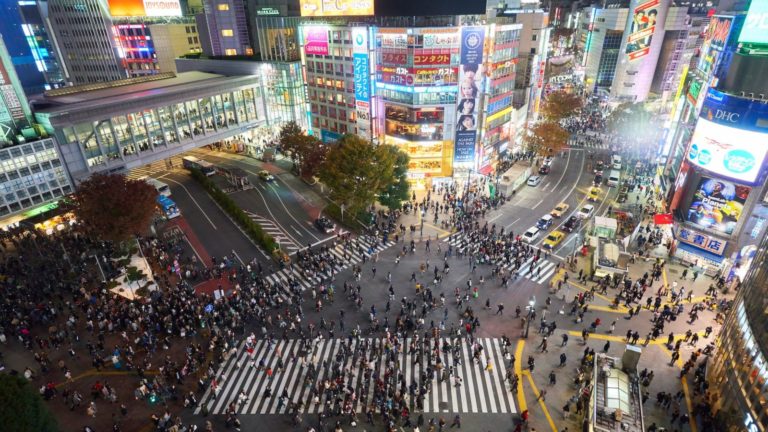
x=251, y=228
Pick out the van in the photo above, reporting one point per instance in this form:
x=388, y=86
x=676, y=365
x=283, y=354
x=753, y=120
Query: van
x=531, y=234
x=616, y=162
x=613, y=178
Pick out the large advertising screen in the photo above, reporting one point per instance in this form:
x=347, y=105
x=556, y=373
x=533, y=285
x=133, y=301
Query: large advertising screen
x=471, y=83
x=727, y=151
x=717, y=205
x=755, y=28
x=320, y=8
x=642, y=28
x=715, y=39
x=144, y=8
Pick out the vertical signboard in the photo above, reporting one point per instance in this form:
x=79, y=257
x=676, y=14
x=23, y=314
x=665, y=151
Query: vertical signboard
x=11, y=108
x=362, y=70
x=641, y=29
x=470, y=86
x=715, y=38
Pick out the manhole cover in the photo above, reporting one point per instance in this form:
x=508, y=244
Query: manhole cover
x=443, y=405
x=674, y=271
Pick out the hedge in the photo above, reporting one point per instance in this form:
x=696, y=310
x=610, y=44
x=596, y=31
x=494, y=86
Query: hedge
x=251, y=228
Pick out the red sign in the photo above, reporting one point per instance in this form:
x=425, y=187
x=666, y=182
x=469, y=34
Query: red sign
x=431, y=59
x=662, y=219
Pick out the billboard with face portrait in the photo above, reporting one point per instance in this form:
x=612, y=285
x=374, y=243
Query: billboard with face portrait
x=717, y=205
x=641, y=29
x=471, y=83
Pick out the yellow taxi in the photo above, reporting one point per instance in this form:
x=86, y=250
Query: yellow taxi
x=553, y=239
x=559, y=210
x=594, y=194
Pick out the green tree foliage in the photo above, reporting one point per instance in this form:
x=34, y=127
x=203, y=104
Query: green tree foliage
x=560, y=104
x=21, y=407
x=112, y=207
x=398, y=191
x=629, y=120
x=546, y=138
x=356, y=171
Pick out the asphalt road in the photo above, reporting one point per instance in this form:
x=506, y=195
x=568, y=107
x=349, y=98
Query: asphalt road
x=275, y=204
x=219, y=234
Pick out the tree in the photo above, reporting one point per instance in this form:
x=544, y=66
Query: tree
x=21, y=407
x=560, y=104
x=133, y=274
x=398, y=191
x=112, y=207
x=629, y=120
x=307, y=152
x=546, y=138
x=357, y=171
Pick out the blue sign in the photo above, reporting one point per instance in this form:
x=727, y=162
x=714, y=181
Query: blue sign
x=472, y=45
x=362, y=77
x=464, y=147
x=742, y=113
x=328, y=137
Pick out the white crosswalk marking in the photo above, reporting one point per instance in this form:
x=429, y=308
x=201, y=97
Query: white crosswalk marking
x=271, y=228
x=542, y=270
x=352, y=256
x=482, y=390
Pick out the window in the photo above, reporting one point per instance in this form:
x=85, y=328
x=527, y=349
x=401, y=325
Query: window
x=230, y=52
x=533, y=38
x=223, y=7
x=227, y=32
x=533, y=50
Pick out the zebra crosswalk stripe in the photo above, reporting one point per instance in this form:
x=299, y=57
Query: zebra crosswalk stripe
x=482, y=390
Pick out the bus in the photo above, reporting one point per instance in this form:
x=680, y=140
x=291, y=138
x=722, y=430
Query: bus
x=191, y=162
x=169, y=208
x=161, y=187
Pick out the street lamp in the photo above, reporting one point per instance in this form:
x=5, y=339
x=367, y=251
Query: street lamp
x=531, y=304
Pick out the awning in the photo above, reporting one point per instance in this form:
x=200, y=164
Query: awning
x=486, y=170
x=702, y=253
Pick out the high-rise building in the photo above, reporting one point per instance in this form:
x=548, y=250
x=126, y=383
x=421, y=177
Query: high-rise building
x=84, y=34
x=172, y=40
x=13, y=32
x=223, y=28
x=15, y=114
x=598, y=41
x=44, y=51
x=137, y=48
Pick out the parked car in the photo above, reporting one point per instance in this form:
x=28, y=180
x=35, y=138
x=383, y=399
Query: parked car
x=534, y=180
x=266, y=176
x=553, y=239
x=573, y=223
x=531, y=234
x=545, y=222
x=325, y=225
x=586, y=211
x=560, y=210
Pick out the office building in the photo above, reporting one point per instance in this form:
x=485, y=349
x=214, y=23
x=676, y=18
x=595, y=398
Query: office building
x=223, y=28
x=15, y=115
x=172, y=40
x=42, y=49
x=83, y=33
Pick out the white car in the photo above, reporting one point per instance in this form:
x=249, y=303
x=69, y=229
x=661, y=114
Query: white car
x=586, y=211
x=531, y=235
x=534, y=180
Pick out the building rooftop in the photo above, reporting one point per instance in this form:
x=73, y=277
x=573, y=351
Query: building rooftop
x=120, y=96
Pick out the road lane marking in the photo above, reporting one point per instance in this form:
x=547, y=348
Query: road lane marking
x=193, y=200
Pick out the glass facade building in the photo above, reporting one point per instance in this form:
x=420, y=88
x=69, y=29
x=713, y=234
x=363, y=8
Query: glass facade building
x=96, y=133
x=738, y=375
x=31, y=174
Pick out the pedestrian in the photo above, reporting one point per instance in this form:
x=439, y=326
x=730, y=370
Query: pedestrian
x=563, y=359
x=500, y=310
x=542, y=396
x=456, y=421
x=552, y=378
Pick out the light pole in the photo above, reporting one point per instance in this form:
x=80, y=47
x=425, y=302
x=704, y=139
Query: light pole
x=531, y=304
x=575, y=245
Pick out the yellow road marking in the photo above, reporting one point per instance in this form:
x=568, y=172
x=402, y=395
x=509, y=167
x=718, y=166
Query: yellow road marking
x=541, y=402
x=686, y=391
x=518, y=371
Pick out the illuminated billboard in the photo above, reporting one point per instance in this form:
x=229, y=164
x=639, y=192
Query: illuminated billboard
x=471, y=83
x=144, y=8
x=316, y=40
x=727, y=151
x=755, y=28
x=641, y=29
x=717, y=205
x=320, y=8
x=715, y=39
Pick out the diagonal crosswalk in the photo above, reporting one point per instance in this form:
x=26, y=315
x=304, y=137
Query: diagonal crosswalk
x=346, y=254
x=482, y=389
x=539, y=273
x=287, y=242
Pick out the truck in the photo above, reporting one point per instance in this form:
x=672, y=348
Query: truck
x=609, y=259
